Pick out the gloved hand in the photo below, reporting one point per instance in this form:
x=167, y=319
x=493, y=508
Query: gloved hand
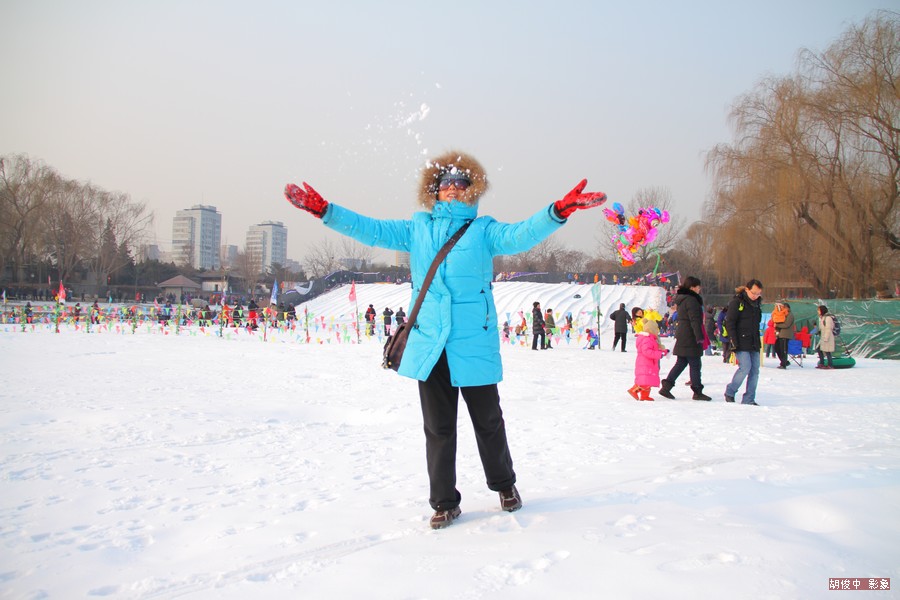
x=576, y=200
x=308, y=199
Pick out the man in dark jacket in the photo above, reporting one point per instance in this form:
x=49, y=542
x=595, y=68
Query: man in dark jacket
x=742, y=321
x=622, y=319
x=387, y=320
x=537, y=327
x=688, y=339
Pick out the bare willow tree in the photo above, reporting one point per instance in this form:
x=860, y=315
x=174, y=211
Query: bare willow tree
x=44, y=216
x=809, y=189
x=67, y=225
x=25, y=189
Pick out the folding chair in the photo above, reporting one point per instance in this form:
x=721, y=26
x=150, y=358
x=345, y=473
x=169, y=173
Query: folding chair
x=795, y=352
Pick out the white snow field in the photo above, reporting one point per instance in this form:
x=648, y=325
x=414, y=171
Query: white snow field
x=154, y=465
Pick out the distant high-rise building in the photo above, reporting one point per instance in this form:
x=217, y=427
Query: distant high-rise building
x=267, y=243
x=229, y=255
x=293, y=266
x=401, y=259
x=196, y=237
x=148, y=252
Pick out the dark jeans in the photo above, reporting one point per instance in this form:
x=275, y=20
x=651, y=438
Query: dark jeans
x=825, y=358
x=781, y=351
x=534, y=342
x=440, y=401
x=622, y=335
x=678, y=367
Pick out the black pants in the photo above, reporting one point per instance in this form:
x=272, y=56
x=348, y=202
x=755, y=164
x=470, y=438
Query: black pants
x=534, y=341
x=622, y=335
x=440, y=401
x=781, y=351
x=678, y=367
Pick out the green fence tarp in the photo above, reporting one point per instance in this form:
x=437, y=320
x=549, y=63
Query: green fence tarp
x=869, y=328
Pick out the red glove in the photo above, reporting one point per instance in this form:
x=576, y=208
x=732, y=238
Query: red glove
x=576, y=200
x=308, y=200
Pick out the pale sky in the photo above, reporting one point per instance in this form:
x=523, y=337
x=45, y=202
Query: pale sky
x=222, y=103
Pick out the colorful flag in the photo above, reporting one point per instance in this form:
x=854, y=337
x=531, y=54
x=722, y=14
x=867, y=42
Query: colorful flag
x=62, y=293
x=353, y=291
x=274, y=299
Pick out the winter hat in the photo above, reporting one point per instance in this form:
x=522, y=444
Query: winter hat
x=454, y=175
x=453, y=165
x=650, y=326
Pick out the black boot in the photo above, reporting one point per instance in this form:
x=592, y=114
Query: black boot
x=666, y=389
x=699, y=395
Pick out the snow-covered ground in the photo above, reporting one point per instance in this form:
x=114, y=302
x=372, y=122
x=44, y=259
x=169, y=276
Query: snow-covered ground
x=190, y=466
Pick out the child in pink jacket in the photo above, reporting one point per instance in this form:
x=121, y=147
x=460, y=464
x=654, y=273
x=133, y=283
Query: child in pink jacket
x=646, y=365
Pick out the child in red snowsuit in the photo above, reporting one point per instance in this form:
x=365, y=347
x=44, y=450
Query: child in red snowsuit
x=646, y=364
x=769, y=338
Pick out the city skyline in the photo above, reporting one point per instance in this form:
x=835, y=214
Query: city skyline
x=196, y=237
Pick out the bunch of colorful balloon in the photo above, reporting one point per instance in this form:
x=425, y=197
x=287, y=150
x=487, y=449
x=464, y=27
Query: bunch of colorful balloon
x=636, y=231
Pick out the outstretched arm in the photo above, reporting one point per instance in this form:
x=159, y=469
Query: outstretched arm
x=390, y=234
x=512, y=238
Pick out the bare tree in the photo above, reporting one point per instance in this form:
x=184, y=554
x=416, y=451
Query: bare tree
x=248, y=266
x=321, y=259
x=572, y=261
x=693, y=253
x=67, y=225
x=813, y=175
x=25, y=190
x=356, y=252
x=119, y=220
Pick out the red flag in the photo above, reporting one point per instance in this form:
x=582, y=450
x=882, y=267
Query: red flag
x=353, y=292
x=62, y=293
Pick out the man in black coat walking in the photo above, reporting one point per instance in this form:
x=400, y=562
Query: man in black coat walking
x=688, y=339
x=537, y=327
x=622, y=319
x=743, y=318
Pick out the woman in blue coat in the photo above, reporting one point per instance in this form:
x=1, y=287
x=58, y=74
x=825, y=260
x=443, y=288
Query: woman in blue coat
x=454, y=345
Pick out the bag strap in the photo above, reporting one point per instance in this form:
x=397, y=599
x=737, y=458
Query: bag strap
x=441, y=255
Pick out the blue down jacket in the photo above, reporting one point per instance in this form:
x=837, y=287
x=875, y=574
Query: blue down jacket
x=458, y=313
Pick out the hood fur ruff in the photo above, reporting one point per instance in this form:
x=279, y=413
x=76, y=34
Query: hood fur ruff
x=449, y=161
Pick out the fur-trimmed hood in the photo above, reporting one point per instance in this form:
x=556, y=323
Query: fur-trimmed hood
x=447, y=162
